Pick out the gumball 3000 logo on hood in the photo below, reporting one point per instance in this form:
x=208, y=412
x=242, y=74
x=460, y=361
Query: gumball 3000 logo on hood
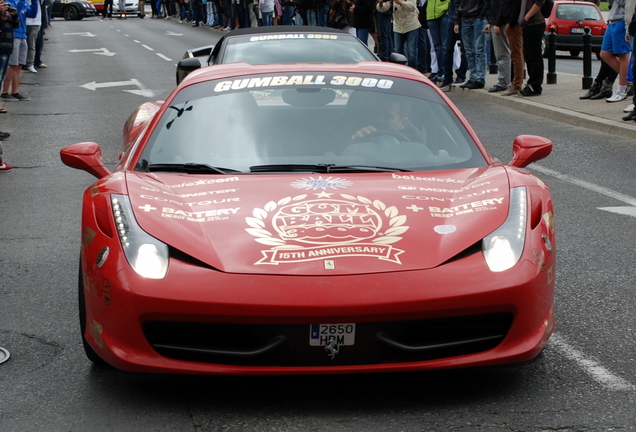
x=301, y=228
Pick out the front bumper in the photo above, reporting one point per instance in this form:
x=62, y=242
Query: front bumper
x=149, y=326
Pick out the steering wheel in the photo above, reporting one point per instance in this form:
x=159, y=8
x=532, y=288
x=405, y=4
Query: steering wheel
x=391, y=132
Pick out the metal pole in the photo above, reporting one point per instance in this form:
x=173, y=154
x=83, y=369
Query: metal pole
x=587, y=59
x=551, y=77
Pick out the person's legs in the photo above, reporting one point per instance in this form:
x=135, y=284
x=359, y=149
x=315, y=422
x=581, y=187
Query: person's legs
x=385, y=37
x=32, y=36
x=411, y=47
x=363, y=35
x=423, y=51
x=533, y=55
x=515, y=42
x=399, y=39
x=439, y=29
x=502, y=56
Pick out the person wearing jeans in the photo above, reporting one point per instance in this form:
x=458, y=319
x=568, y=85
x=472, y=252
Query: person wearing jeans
x=385, y=30
x=470, y=15
x=405, y=28
x=438, y=20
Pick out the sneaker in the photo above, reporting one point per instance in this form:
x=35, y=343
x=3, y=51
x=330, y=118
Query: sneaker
x=616, y=97
x=497, y=88
x=629, y=108
x=473, y=85
x=512, y=90
x=7, y=97
x=41, y=66
x=21, y=98
x=528, y=91
x=4, y=167
x=4, y=135
x=460, y=80
x=32, y=69
x=446, y=85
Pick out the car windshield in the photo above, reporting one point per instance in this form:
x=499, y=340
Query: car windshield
x=578, y=12
x=310, y=122
x=295, y=48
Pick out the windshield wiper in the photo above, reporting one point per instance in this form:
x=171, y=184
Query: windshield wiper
x=189, y=168
x=323, y=168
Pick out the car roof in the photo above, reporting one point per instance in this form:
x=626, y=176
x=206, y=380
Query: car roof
x=285, y=29
x=581, y=2
x=228, y=70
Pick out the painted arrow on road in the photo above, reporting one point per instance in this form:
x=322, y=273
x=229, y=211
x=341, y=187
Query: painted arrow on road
x=98, y=51
x=629, y=210
x=87, y=34
x=141, y=89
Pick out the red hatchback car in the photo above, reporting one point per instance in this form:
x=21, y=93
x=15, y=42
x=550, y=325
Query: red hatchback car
x=569, y=19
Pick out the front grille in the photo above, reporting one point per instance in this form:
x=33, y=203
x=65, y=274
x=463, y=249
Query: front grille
x=288, y=345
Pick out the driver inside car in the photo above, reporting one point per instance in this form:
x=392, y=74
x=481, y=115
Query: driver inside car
x=390, y=117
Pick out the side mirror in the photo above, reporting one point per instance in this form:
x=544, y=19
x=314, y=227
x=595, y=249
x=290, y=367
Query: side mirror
x=529, y=148
x=185, y=66
x=398, y=58
x=189, y=64
x=85, y=156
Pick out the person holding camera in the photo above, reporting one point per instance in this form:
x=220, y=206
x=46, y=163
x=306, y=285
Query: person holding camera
x=406, y=26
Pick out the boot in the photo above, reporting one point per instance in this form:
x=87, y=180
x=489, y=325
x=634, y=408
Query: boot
x=606, y=90
x=594, y=90
x=630, y=116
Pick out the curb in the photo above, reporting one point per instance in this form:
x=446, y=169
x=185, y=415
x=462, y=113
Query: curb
x=574, y=118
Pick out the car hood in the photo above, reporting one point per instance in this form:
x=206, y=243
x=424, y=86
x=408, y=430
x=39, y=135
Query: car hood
x=312, y=224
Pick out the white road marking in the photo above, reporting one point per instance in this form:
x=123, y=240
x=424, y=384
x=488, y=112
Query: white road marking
x=164, y=57
x=591, y=367
x=631, y=201
x=147, y=47
x=93, y=85
x=87, y=34
x=587, y=185
x=98, y=51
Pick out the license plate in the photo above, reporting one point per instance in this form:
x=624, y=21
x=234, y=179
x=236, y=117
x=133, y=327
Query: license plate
x=577, y=30
x=322, y=334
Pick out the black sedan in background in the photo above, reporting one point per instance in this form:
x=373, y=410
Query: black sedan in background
x=281, y=44
x=73, y=9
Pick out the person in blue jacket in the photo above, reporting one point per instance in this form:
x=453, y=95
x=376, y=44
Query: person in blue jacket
x=18, y=58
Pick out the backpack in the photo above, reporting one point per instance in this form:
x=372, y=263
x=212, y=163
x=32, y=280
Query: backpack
x=546, y=9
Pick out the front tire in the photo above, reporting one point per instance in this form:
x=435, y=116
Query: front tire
x=90, y=352
x=70, y=13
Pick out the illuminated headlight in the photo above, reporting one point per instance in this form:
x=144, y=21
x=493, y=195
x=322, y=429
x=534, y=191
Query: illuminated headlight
x=145, y=254
x=503, y=248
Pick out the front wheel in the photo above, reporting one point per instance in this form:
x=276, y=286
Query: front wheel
x=90, y=352
x=70, y=13
x=575, y=53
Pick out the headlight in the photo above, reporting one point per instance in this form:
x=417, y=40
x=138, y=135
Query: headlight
x=145, y=254
x=503, y=248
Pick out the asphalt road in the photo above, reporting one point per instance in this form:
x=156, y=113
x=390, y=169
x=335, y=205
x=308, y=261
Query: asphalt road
x=584, y=381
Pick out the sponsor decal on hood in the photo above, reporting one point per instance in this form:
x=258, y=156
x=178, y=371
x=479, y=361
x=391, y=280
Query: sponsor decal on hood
x=321, y=225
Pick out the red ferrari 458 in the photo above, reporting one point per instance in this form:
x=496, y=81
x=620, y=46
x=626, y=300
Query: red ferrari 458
x=311, y=219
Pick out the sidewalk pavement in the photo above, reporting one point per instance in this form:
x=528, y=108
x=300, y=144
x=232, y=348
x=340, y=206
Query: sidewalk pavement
x=561, y=102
